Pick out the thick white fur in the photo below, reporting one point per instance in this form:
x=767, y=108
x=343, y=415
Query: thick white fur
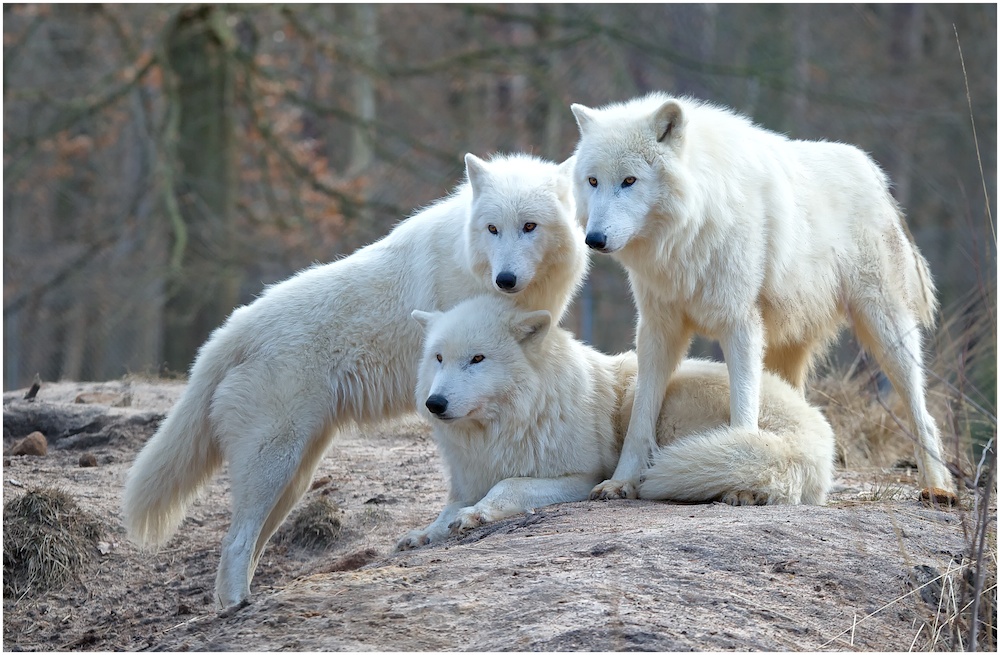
x=765, y=243
x=540, y=419
x=335, y=344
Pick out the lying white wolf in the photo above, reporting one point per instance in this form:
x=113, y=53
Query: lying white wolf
x=524, y=415
x=765, y=243
x=335, y=344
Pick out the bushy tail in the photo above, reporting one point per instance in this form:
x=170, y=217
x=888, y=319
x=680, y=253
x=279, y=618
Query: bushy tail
x=924, y=293
x=175, y=462
x=726, y=461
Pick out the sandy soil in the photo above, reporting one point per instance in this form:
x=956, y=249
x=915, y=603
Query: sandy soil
x=873, y=570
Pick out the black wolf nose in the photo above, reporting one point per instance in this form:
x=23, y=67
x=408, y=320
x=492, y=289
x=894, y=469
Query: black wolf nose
x=437, y=404
x=597, y=240
x=506, y=280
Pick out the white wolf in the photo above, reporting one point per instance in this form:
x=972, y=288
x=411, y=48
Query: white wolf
x=524, y=415
x=335, y=344
x=765, y=243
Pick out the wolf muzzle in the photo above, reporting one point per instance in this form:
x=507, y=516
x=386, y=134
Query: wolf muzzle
x=597, y=240
x=437, y=404
x=506, y=280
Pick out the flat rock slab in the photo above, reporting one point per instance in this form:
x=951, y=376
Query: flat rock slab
x=627, y=575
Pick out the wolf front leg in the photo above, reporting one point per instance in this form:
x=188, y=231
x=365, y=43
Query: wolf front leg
x=743, y=347
x=436, y=531
x=514, y=496
x=661, y=342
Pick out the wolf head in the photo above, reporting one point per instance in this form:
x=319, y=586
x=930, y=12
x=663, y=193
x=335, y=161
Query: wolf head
x=476, y=358
x=522, y=227
x=627, y=168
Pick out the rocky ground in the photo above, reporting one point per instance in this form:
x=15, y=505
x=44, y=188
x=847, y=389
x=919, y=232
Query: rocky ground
x=872, y=570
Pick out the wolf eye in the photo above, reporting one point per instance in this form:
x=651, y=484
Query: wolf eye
x=628, y=181
x=476, y=359
x=492, y=228
x=593, y=181
x=438, y=357
x=530, y=227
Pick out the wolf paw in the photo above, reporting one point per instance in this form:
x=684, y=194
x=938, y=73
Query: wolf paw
x=413, y=539
x=233, y=609
x=746, y=497
x=614, y=489
x=466, y=519
x=934, y=496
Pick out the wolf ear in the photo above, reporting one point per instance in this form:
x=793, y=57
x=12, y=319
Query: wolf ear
x=562, y=180
x=584, y=116
x=668, y=121
x=424, y=318
x=531, y=328
x=565, y=170
x=475, y=171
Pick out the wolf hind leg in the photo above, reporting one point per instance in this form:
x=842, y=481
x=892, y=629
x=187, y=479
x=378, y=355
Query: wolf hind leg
x=268, y=475
x=293, y=492
x=257, y=486
x=892, y=335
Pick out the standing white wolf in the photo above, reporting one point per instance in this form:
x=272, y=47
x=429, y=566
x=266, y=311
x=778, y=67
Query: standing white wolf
x=765, y=243
x=525, y=415
x=335, y=344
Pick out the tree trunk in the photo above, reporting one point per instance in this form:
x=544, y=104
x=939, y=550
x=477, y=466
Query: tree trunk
x=800, y=47
x=205, y=289
x=365, y=20
x=906, y=26
x=552, y=110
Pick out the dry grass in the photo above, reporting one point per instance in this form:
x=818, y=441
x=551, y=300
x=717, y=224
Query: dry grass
x=948, y=599
x=867, y=436
x=316, y=526
x=970, y=618
x=47, y=540
x=885, y=491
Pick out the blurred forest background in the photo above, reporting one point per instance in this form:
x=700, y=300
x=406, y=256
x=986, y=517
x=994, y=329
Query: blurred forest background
x=162, y=163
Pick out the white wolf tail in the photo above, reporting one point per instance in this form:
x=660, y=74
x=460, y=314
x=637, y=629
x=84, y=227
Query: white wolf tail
x=726, y=461
x=922, y=288
x=927, y=302
x=176, y=461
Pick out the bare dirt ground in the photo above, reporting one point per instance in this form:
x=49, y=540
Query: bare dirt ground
x=872, y=570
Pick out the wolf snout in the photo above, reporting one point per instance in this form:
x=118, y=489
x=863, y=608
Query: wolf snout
x=506, y=280
x=437, y=404
x=597, y=240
